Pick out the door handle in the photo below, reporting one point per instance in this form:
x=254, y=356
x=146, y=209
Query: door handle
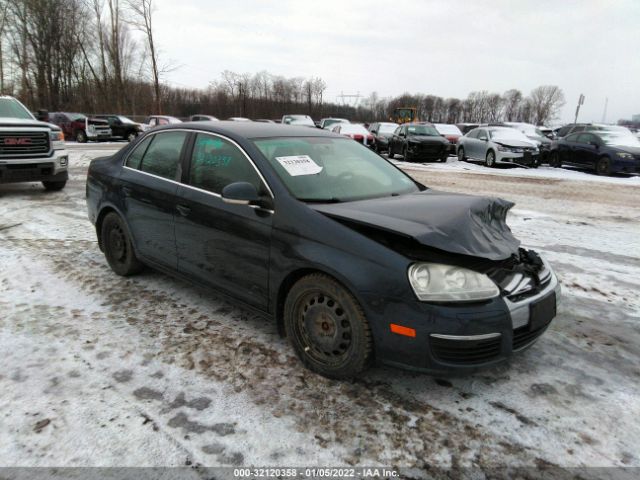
x=183, y=210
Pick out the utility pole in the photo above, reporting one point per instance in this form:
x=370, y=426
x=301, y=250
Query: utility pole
x=580, y=103
x=604, y=114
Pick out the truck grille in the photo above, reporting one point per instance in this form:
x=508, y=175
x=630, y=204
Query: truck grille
x=24, y=144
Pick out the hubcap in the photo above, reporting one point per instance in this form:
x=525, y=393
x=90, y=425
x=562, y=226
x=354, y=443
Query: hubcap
x=324, y=328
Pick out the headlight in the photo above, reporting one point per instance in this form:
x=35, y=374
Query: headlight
x=56, y=136
x=433, y=282
x=625, y=155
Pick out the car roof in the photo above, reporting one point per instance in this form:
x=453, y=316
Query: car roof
x=251, y=129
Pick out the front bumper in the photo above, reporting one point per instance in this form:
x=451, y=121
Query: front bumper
x=458, y=338
x=52, y=168
x=517, y=158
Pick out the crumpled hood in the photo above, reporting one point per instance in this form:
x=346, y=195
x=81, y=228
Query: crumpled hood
x=452, y=222
x=426, y=139
x=508, y=142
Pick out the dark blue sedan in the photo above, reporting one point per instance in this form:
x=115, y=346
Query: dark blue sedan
x=354, y=260
x=605, y=151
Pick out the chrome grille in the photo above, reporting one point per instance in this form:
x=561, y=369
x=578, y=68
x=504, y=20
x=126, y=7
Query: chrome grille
x=24, y=144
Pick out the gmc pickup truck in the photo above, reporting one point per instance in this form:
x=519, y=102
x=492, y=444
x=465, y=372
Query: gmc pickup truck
x=30, y=151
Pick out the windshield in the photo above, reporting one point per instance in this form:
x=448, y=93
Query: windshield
x=300, y=121
x=11, y=108
x=324, y=169
x=331, y=121
x=508, y=134
x=75, y=117
x=125, y=120
x=387, y=128
x=422, y=130
x=619, y=139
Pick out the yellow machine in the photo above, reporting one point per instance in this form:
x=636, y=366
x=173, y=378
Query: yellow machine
x=405, y=115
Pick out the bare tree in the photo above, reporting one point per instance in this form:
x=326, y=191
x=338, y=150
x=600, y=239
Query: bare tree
x=546, y=102
x=512, y=100
x=143, y=10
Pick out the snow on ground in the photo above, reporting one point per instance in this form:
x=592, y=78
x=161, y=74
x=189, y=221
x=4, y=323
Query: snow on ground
x=102, y=370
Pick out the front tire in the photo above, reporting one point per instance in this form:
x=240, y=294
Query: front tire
x=554, y=160
x=327, y=327
x=390, y=154
x=405, y=154
x=117, y=246
x=461, y=156
x=603, y=166
x=131, y=137
x=490, y=160
x=53, y=186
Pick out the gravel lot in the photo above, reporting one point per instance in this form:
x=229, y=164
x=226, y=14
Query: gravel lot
x=149, y=371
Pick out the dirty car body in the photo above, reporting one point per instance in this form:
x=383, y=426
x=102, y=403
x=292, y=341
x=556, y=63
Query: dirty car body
x=443, y=284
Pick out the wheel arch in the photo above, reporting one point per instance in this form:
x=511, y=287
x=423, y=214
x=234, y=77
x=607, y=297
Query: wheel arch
x=104, y=211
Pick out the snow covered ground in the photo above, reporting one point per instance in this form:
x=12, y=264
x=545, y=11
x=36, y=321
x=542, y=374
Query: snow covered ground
x=149, y=371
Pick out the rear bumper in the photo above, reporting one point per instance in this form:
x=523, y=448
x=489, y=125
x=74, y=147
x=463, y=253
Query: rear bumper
x=53, y=168
x=459, y=339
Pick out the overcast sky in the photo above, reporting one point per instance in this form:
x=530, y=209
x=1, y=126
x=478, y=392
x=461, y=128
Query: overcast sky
x=447, y=48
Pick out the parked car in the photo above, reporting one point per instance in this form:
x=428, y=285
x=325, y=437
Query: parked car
x=418, y=141
x=158, y=121
x=354, y=260
x=584, y=127
x=301, y=120
x=79, y=127
x=326, y=123
x=122, y=127
x=265, y=120
x=467, y=127
x=381, y=132
x=203, y=118
x=354, y=131
x=534, y=133
x=496, y=145
x=30, y=150
x=451, y=133
x=239, y=119
x=605, y=151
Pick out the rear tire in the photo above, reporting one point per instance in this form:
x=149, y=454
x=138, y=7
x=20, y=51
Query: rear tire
x=554, y=160
x=603, y=167
x=390, y=154
x=81, y=137
x=327, y=327
x=461, y=156
x=52, y=186
x=117, y=246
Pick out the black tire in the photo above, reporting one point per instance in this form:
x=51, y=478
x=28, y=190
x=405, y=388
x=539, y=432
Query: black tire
x=390, y=154
x=81, y=137
x=554, y=160
x=117, y=246
x=132, y=136
x=603, y=167
x=327, y=328
x=52, y=186
x=461, y=156
x=490, y=160
x=444, y=158
x=405, y=154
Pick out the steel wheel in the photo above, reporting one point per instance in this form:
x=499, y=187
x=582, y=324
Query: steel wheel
x=117, y=246
x=327, y=327
x=324, y=327
x=461, y=156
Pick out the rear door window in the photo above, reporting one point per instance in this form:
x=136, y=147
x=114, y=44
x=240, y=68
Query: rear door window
x=216, y=163
x=162, y=157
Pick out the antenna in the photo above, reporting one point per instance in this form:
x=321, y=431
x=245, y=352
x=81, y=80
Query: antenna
x=580, y=102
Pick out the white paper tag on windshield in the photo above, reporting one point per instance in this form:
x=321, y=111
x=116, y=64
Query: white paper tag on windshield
x=299, y=165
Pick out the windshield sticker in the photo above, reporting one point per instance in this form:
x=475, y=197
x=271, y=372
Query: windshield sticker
x=297, y=165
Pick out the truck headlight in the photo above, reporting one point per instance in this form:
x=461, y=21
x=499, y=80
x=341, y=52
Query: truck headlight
x=433, y=282
x=56, y=136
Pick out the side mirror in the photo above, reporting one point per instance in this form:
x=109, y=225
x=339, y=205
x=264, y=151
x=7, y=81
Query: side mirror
x=240, y=193
x=594, y=144
x=287, y=121
x=42, y=115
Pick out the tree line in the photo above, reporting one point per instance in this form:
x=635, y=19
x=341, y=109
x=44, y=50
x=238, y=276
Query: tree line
x=102, y=56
